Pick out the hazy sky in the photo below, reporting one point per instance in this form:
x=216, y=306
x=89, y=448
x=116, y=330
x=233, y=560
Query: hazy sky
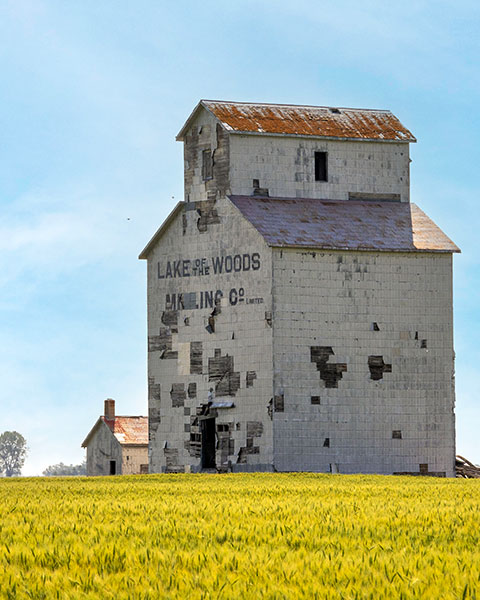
x=92, y=94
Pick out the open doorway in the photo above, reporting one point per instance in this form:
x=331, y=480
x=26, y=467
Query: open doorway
x=207, y=427
x=113, y=467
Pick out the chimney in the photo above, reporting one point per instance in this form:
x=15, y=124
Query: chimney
x=109, y=409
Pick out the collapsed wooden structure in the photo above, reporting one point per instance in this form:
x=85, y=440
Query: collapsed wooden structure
x=464, y=468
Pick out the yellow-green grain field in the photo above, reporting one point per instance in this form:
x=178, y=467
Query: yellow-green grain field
x=240, y=536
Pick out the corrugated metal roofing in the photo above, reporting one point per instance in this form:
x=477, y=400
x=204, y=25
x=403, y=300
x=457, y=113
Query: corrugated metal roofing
x=129, y=430
x=343, y=224
x=318, y=121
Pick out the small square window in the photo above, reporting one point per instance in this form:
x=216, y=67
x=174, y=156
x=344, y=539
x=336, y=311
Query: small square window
x=396, y=434
x=321, y=166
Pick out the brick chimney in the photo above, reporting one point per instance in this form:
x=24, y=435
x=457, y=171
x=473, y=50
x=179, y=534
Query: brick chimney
x=109, y=413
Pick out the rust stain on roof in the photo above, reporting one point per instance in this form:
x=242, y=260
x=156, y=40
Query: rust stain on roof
x=343, y=224
x=318, y=121
x=130, y=431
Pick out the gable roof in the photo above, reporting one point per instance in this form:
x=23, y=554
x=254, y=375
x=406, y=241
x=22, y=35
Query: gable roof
x=343, y=224
x=317, y=121
x=128, y=431
x=160, y=231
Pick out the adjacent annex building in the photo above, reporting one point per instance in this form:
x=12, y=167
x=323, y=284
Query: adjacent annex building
x=117, y=445
x=299, y=306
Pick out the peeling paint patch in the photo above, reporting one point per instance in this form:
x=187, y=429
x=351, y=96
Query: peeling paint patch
x=184, y=223
x=196, y=358
x=178, y=395
x=330, y=373
x=171, y=458
x=245, y=451
x=251, y=376
x=194, y=444
x=153, y=390
x=153, y=421
x=279, y=403
x=170, y=318
x=378, y=367
x=226, y=444
x=221, y=371
x=162, y=343
x=208, y=215
x=254, y=429
x=154, y=398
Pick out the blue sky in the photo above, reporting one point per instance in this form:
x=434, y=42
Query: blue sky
x=92, y=96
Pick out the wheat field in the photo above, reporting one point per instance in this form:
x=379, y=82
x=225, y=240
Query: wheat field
x=239, y=536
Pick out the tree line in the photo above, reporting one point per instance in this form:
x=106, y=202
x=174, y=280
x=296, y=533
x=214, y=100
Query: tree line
x=13, y=451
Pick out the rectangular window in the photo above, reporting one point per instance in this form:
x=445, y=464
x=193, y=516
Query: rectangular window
x=207, y=165
x=321, y=166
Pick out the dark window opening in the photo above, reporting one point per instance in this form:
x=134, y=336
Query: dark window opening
x=375, y=327
x=423, y=467
x=257, y=190
x=326, y=443
x=113, y=467
x=423, y=344
x=208, y=443
x=207, y=165
x=315, y=399
x=396, y=434
x=321, y=166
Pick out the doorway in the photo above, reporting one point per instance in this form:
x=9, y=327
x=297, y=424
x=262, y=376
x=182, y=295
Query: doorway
x=207, y=428
x=113, y=467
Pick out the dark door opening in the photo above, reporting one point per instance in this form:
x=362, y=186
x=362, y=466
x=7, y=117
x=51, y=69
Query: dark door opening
x=208, y=443
x=113, y=467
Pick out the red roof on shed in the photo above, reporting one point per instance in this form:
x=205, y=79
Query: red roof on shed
x=129, y=430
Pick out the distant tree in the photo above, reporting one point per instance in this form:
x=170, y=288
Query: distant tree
x=65, y=470
x=13, y=450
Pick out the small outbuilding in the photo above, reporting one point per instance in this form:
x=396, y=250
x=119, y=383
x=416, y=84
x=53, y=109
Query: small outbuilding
x=117, y=445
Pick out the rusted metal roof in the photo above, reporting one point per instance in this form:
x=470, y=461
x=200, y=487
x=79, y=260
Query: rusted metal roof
x=129, y=431
x=343, y=224
x=317, y=121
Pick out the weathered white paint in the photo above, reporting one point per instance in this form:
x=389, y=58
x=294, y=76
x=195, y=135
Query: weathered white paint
x=316, y=299
x=333, y=299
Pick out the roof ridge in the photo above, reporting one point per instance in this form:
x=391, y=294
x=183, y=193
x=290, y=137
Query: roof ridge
x=127, y=417
x=384, y=110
